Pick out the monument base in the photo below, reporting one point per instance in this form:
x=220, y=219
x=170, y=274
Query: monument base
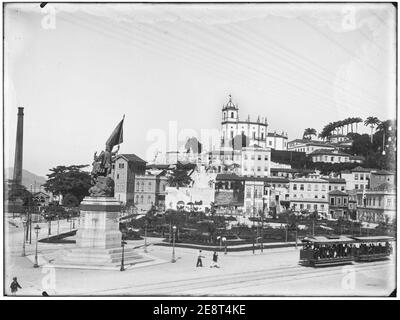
x=98, y=238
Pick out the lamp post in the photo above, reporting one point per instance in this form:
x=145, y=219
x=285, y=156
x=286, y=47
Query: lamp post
x=37, y=229
x=145, y=236
x=173, y=244
x=58, y=223
x=123, y=243
x=23, y=237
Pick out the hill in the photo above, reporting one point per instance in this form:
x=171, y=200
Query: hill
x=28, y=179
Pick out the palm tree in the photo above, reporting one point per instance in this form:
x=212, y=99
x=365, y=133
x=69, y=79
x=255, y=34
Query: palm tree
x=309, y=132
x=357, y=120
x=372, y=122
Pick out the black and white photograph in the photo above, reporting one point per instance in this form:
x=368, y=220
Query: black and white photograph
x=199, y=149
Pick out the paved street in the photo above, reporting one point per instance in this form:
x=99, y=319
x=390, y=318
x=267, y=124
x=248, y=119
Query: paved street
x=274, y=272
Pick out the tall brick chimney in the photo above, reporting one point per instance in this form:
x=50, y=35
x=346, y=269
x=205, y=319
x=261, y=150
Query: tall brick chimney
x=17, y=177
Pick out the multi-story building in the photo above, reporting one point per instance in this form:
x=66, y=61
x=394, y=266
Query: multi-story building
x=277, y=141
x=340, y=205
x=256, y=161
x=378, y=204
x=329, y=156
x=336, y=184
x=150, y=190
x=378, y=177
x=357, y=178
x=308, y=146
x=309, y=194
x=125, y=169
x=229, y=193
x=232, y=126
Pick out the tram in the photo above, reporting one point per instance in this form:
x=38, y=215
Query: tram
x=372, y=248
x=322, y=251
x=338, y=250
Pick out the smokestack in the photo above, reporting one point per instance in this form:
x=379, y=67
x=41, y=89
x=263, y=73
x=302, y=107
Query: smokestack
x=19, y=147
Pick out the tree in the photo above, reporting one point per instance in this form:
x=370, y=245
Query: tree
x=17, y=191
x=179, y=177
x=308, y=133
x=72, y=180
x=372, y=122
x=70, y=200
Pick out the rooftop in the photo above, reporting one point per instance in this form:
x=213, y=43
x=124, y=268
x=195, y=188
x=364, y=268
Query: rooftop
x=130, y=157
x=337, y=193
x=229, y=176
x=335, y=180
x=383, y=172
x=328, y=152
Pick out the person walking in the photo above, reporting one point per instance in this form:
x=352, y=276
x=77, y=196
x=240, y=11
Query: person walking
x=14, y=286
x=199, y=261
x=214, y=263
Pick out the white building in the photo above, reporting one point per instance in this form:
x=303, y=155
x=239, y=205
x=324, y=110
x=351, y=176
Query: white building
x=277, y=141
x=256, y=162
x=308, y=146
x=309, y=194
x=232, y=126
x=357, y=178
x=329, y=156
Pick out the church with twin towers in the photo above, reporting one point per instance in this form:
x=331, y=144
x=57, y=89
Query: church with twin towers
x=255, y=130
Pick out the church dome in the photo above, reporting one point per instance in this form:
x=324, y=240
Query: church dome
x=230, y=104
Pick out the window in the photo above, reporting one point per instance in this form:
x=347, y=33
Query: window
x=258, y=168
x=137, y=198
x=149, y=199
x=316, y=196
x=315, y=207
x=316, y=187
x=342, y=188
x=266, y=158
x=330, y=188
x=323, y=188
x=141, y=198
x=332, y=159
x=356, y=176
x=259, y=157
x=338, y=201
x=361, y=177
x=344, y=201
x=270, y=143
x=301, y=206
x=245, y=157
x=356, y=186
x=245, y=168
x=332, y=201
x=294, y=186
x=252, y=157
x=302, y=187
x=266, y=169
x=254, y=135
x=308, y=206
x=232, y=115
x=322, y=206
x=308, y=187
x=117, y=176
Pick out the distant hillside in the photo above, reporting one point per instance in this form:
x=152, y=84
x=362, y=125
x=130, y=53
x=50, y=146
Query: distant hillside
x=28, y=179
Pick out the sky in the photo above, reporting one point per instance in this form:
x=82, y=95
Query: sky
x=78, y=68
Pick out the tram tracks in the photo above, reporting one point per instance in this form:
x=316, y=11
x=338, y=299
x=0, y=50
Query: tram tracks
x=213, y=284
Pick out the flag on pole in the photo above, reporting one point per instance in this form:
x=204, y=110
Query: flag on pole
x=116, y=136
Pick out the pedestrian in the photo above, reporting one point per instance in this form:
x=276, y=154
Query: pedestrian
x=199, y=261
x=45, y=294
x=14, y=286
x=214, y=263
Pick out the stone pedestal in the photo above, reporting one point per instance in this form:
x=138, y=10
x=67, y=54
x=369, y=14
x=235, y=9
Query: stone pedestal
x=98, y=238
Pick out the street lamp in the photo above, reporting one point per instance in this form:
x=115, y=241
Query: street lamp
x=145, y=236
x=58, y=223
x=23, y=237
x=37, y=228
x=173, y=244
x=123, y=243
